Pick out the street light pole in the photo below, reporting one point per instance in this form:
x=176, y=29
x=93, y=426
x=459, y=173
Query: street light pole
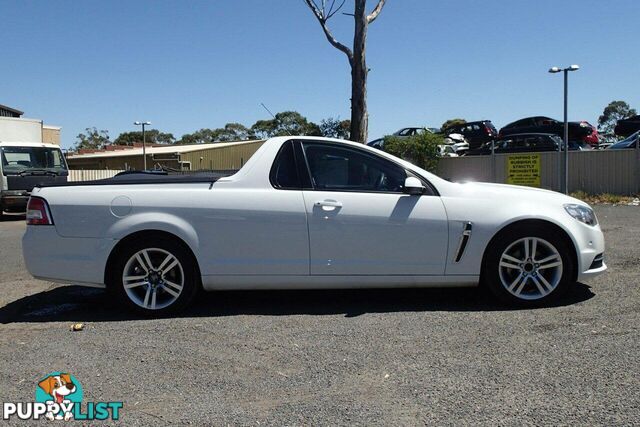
x=144, y=153
x=566, y=131
x=566, y=120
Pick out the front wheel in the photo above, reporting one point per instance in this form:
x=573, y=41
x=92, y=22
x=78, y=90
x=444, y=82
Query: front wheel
x=529, y=266
x=155, y=277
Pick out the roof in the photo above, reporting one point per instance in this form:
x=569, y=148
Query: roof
x=13, y=110
x=169, y=149
x=27, y=144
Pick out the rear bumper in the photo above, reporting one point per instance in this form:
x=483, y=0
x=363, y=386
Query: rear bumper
x=50, y=257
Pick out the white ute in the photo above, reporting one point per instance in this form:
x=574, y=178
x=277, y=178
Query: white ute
x=308, y=212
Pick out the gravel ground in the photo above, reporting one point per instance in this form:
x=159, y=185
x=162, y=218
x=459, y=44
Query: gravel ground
x=339, y=357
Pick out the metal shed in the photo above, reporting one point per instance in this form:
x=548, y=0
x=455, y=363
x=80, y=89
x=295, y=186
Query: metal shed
x=216, y=156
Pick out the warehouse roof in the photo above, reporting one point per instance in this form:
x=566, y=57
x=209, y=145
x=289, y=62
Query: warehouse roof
x=169, y=149
x=11, y=110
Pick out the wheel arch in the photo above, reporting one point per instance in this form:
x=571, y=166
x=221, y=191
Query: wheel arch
x=146, y=234
x=537, y=222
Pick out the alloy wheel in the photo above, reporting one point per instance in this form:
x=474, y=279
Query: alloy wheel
x=153, y=278
x=530, y=268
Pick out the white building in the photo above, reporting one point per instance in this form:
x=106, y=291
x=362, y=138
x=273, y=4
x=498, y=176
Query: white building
x=17, y=129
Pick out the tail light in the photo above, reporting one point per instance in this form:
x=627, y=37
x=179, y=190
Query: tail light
x=38, y=212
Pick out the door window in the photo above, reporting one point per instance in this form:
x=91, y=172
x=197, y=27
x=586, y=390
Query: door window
x=284, y=173
x=521, y=123
x=343, y=169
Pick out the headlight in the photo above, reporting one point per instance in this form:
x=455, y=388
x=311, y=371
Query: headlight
x=582, y=213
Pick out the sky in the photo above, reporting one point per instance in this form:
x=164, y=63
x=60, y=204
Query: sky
x=186, y=65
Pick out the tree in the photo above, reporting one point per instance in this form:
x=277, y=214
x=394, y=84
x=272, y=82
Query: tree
x=92, y=138
x=335, y=128
x=230, y=132
x=233, y=132
x=151, y=136
x=202, y=136
x=356, y=57
x=616, y=110
x=284, y=124
x=420, y=149
x=452, y=122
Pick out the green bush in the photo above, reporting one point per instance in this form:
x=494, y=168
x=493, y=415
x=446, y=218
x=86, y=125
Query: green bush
x=421, y=150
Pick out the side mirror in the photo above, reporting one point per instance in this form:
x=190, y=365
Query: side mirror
x=413, y=186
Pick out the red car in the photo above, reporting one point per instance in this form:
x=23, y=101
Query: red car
x=593, y=138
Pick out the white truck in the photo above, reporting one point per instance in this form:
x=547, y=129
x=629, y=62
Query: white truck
x=308, y=212
x=24, y=165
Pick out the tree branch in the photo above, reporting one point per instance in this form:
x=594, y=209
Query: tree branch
x=322, y=19
x=331, y=11
x=376, y=11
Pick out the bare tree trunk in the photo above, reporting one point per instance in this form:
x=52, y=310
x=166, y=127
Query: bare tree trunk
x=359, y=114
x=323, y=12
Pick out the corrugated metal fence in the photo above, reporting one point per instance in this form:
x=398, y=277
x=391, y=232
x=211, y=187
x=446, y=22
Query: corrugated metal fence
x=592, y=171
x=91, y=175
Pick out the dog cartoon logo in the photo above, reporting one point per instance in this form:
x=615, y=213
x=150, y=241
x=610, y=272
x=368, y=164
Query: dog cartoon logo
x=60, y=391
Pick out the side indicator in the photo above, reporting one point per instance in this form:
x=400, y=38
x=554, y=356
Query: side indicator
x=464, y=239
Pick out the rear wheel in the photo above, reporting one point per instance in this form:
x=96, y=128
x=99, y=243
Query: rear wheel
x=155, y=277
x=528, y=266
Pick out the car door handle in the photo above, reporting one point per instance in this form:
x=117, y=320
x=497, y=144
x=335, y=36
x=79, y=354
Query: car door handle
x=328, y=205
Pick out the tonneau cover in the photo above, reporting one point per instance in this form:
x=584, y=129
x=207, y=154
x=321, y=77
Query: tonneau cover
x=145, y=178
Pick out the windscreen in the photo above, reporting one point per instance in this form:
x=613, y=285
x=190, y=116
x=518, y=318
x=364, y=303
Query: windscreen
x=20, y=160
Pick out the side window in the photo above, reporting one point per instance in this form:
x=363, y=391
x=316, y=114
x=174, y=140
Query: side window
x=343, y=169
x=545, y=121
x=522, y=123
x=284, y=173
x=505, y=144
x=547, y=143
x=377, y=144
x=513, y=144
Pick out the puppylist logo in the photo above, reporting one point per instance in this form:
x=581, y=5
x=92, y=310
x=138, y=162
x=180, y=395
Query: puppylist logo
x=59, y=397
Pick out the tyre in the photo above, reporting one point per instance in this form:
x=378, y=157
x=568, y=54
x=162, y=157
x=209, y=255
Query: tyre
x=155, y=276
x=528, y=266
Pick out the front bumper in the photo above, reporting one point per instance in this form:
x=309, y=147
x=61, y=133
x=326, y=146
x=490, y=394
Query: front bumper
x=590, y=246
x=50, y=257
x=13, y=202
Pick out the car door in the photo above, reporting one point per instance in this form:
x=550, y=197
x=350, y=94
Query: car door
x=361, y=222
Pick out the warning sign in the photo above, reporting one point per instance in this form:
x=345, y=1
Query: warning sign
x=524, y=169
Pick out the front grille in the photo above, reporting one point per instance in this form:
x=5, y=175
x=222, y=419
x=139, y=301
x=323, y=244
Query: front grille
x=598, y=261
x=27, y=182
